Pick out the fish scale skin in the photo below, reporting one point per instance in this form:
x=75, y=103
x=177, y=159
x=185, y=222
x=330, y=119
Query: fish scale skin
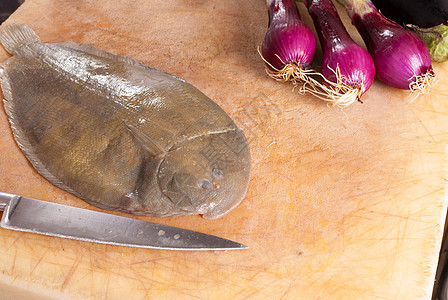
x=100, y=126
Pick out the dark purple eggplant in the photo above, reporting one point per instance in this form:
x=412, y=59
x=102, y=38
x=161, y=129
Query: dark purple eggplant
x=422, y=13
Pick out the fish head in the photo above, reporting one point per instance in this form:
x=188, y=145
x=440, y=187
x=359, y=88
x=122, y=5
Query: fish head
x=208, y=174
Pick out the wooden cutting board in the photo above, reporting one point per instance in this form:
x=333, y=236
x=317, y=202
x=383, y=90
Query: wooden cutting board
x=343, y=204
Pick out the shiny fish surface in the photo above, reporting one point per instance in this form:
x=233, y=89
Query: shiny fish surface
x=119, y=134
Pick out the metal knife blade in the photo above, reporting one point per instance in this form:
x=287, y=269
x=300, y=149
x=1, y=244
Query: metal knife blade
x=31, y=215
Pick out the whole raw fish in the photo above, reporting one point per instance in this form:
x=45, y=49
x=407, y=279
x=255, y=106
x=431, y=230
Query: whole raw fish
x=119, y=134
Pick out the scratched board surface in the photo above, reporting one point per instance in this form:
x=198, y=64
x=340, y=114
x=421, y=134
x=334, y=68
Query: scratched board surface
x=343, y=204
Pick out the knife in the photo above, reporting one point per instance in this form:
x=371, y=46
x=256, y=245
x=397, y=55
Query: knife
x=36, y=216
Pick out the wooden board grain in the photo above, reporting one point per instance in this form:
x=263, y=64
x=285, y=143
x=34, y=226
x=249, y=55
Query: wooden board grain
x=343, y=204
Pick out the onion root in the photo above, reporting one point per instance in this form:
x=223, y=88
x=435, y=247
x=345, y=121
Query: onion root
x=339, y=93
x=422, y=84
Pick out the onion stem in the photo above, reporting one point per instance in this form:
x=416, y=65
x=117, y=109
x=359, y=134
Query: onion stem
x=359, y=7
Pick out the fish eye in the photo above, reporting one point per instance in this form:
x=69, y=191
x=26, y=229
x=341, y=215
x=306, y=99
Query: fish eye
x=217, y=173
x=204, y=184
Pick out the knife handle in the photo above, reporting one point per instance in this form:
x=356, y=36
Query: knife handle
x=5, y=198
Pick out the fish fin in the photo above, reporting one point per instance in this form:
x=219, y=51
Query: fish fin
x=15, y=35
x=21, y=138
x=98, y=52
x=145, y=141
x=26, y=147
x=102, y=53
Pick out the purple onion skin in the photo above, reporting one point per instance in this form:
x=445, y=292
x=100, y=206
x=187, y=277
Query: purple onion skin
x=288, y=37
x=338, y=48
x=399, y=54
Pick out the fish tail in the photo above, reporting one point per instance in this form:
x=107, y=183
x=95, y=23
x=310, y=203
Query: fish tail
x=15, y=35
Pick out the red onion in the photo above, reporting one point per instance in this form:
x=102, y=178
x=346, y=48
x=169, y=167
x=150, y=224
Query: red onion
x=401, y=57
x=289, y=45
x=344, y=63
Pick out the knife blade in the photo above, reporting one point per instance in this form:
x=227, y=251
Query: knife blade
x=42, y=217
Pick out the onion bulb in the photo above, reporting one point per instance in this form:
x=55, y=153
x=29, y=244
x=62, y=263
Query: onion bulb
x=289, y=45
x=401, y=57
x=344, y=63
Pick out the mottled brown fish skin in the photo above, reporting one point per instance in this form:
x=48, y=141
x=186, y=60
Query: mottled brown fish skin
x=119, y=134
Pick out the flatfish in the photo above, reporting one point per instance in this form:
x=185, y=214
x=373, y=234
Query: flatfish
x=119, y=134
